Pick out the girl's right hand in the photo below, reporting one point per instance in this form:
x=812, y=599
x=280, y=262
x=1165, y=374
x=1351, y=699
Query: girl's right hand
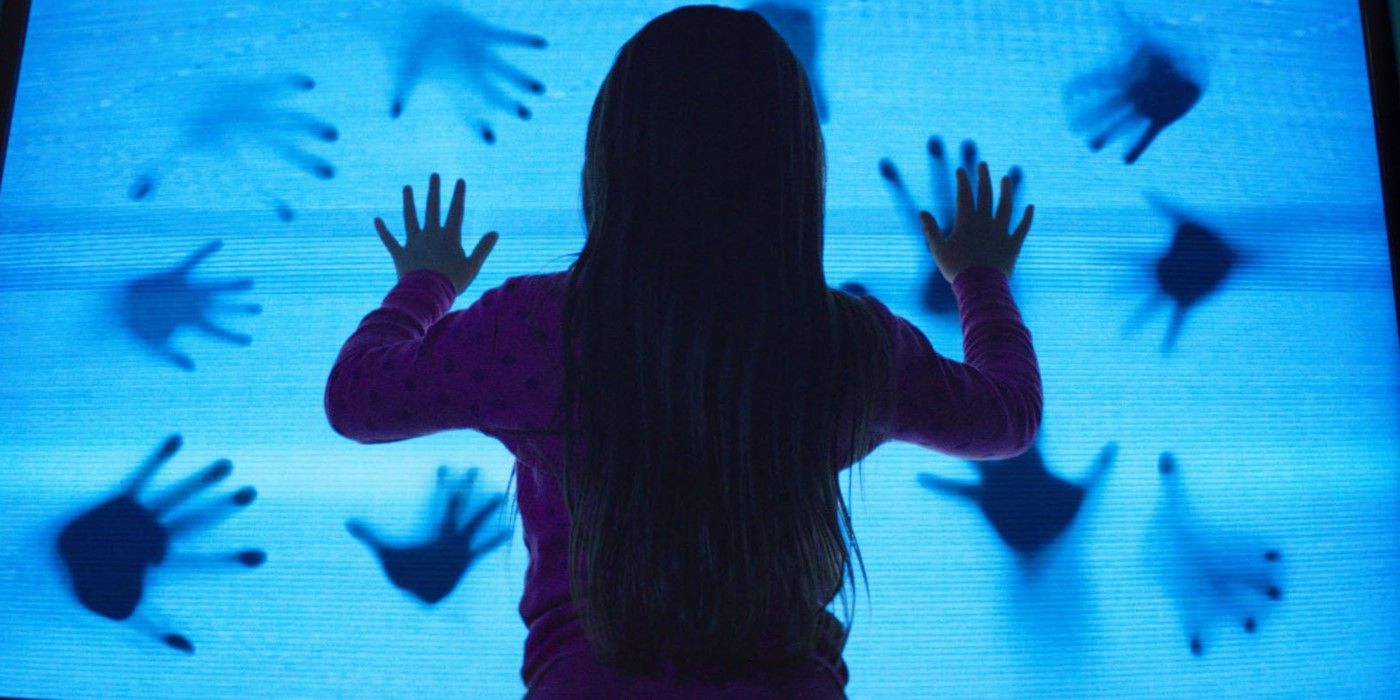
x=979, y=238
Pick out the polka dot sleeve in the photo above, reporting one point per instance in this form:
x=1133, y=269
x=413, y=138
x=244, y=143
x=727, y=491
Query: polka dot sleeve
x=412, y=368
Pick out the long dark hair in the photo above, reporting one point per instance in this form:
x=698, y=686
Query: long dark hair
x=708, y=362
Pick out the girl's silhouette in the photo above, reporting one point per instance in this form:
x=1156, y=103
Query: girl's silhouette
x=683, y=398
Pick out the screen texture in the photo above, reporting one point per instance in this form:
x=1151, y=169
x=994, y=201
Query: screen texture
x=1211, y=509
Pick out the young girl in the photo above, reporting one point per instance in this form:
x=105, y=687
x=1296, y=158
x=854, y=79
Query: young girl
x=681, y=457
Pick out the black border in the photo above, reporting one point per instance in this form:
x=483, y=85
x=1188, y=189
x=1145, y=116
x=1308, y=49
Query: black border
x=14, y=23
x=1378, y=27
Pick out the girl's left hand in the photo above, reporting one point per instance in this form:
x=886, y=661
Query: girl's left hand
x=436, y=247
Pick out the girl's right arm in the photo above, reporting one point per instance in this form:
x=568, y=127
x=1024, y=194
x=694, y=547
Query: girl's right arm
x=990, y=405
x=987, y=407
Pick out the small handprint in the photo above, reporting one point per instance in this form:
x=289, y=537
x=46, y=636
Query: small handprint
x=1149, y=91
x=1194, y=267
x=449, y=42
x=109, y=548
x=237, y=115
x=155, y=306
x=1027, y=505
x=431, y=570
x=801, y=30
x=1211, y=577
x=937, y=295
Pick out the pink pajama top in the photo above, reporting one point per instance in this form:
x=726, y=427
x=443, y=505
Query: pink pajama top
x=412, y=368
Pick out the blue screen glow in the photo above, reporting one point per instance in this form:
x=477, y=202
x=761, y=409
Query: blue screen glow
x=186, y=239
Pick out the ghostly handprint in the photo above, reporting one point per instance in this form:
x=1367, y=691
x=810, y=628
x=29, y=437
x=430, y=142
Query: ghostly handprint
x=431, y=570
x=800, y=28
x=109, y=548
x=937, y=295
x=1194, y=267
x=1028, y=506
x=155, y=306
x=1210, y=576
x=447, y=41
x=1150, y=90
x=237, y=115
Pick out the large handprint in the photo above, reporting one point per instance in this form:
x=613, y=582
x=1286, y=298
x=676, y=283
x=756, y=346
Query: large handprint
x=1148, y=91
x=1212, y=577
x=447, y=42
x=236, y=115
x=155, y=306
x=937, y=295
x=1194, y=267
x=1029, y=507
x=432, y=569
x=108, y=549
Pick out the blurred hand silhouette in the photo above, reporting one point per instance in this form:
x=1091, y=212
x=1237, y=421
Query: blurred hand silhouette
x=449, y=41
x=238, y=116
x=1028, y=505
x=1212, y=576
x=109, y=548
x=431, y=570
x=978, y=237
x=1142, y=94
x=155, y=306
x=436, y=246
x=1197, y=265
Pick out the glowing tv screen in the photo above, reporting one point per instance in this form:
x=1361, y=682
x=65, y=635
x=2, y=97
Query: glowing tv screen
x=1212, y=507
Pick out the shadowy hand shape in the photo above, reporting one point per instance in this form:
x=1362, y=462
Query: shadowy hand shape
x=155, y=306
x=1146, y=93
x=239, y=115
x=448, y=41
x=1210, y=576
x=937, y=295
x=431, y=570
x=799, y=28
x=1194, y=267
x=1027, y=505
x=108, y=549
